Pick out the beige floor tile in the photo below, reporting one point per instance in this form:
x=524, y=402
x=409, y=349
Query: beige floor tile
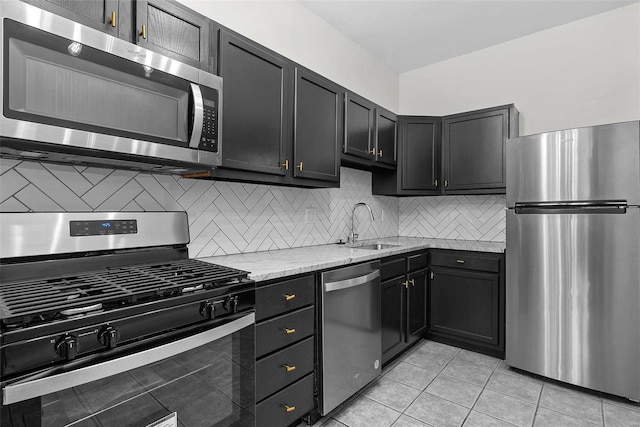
x=454, y=390
x=478, y=359
x=436, y=411
x=478, y=419
x=617, y=415
x=505, y=408
x=364, y=412
x=468, y=372
x=407, y=421
x=391, y=393
x=515, y=386
x=411, y=375
x=572, y=402
x=548, y=418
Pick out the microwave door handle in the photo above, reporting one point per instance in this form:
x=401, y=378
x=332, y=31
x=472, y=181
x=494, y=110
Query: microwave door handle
x=29, y=389
x=198, y=115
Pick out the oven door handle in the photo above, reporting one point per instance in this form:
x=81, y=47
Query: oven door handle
x=29, y=389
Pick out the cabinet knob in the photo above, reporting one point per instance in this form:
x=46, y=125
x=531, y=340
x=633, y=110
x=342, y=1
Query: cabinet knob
x=113, y=19
x=143, y=33
x=432, y=275
x=380, y=153
x=289, y=331
x=289, y=368
x=435, y=183
x=413, y=282
x=405, y=284
x=446, y=183
x=300, y=166
x=289, y=297
x=372, y=152
x=289, y=408
x=285, y=165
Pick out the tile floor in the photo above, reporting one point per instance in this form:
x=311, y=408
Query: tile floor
x=439, y=385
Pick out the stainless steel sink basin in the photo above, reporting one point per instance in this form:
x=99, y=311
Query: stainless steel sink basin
x=375, y=246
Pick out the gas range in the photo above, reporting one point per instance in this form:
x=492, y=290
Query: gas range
x=76, y=288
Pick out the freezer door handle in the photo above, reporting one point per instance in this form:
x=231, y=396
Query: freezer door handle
x=579, y=207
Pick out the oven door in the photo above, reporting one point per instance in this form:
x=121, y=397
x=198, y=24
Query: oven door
x=204, y=379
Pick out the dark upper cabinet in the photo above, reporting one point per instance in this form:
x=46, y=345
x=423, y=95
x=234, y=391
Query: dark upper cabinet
x=418, y=168
x=359, y=122
x=257, y=98
x=109, y=16
x=473, y=150
x=385, y=136
x=466, y=300
x=317, y=132
x=174, y=30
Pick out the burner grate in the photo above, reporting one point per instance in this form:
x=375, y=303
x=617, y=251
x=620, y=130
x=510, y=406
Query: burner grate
x=47, y=297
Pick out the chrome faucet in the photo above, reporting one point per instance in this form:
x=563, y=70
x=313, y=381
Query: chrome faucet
x=353, y=237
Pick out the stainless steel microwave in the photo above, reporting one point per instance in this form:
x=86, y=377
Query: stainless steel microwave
x=73, y=94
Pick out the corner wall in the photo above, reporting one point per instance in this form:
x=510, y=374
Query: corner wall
x=579, y=74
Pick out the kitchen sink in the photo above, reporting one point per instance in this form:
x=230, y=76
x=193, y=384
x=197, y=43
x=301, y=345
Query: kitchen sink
x=375, y=246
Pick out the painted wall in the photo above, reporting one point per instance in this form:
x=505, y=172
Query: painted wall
x=579, y=74
x=224, y=217
x=290, y=29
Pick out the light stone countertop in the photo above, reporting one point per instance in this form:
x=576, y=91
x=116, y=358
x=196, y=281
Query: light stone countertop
x=267, y=265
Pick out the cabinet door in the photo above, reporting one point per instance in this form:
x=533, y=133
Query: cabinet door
x=173, y=30
x=465, y=304
x=317, y=127
x=386, y=131
x=420, y=149
x=416, y=305
x=393, y=315
x=257, y=97
x=474, y=150
x=102, y=15
x=359, y=127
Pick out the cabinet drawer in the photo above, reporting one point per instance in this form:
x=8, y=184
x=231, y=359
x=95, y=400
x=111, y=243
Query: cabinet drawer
x=284, y=367
x=466, y=261
x=284, y=296
x=285, y=407
x=393, y=268
x=417, y=262
x=283, y=330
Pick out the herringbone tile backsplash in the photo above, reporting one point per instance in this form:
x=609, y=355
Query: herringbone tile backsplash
x=228, y=218
x=454, y=217
x=224, y=217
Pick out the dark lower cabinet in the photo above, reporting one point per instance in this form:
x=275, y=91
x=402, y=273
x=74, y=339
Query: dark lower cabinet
x=466, y=300
x=285, y=350
x=404, y=303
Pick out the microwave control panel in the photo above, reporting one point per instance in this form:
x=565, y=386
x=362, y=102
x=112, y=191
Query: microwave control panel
x=209, y=137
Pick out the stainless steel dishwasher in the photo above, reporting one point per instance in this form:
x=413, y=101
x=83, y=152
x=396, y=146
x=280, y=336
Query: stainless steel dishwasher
x=350, y=332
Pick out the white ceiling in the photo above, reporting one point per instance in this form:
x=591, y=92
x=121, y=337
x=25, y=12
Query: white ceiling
x=409, y=34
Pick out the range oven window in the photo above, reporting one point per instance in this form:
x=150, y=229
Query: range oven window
x=211, y=384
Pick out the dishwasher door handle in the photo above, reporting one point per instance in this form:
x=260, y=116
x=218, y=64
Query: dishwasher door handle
x=350, y=283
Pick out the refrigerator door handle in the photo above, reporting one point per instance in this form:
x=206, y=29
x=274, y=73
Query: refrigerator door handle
x=580, y=207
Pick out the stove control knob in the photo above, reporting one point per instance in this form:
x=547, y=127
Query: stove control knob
x=231, y=304
x=67, y=346
x=208, y=310
x=108, y=336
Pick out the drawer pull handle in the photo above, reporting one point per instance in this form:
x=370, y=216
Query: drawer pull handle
x=405, y=284
x=413, y=282
x=289, y=368
x=289, y=408
x=289, y=331
x=289, y=297
x=460, y=261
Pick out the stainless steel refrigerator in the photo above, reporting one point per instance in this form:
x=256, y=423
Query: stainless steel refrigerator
x=573, y=256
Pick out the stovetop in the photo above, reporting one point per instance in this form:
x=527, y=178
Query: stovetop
x=25, y=303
